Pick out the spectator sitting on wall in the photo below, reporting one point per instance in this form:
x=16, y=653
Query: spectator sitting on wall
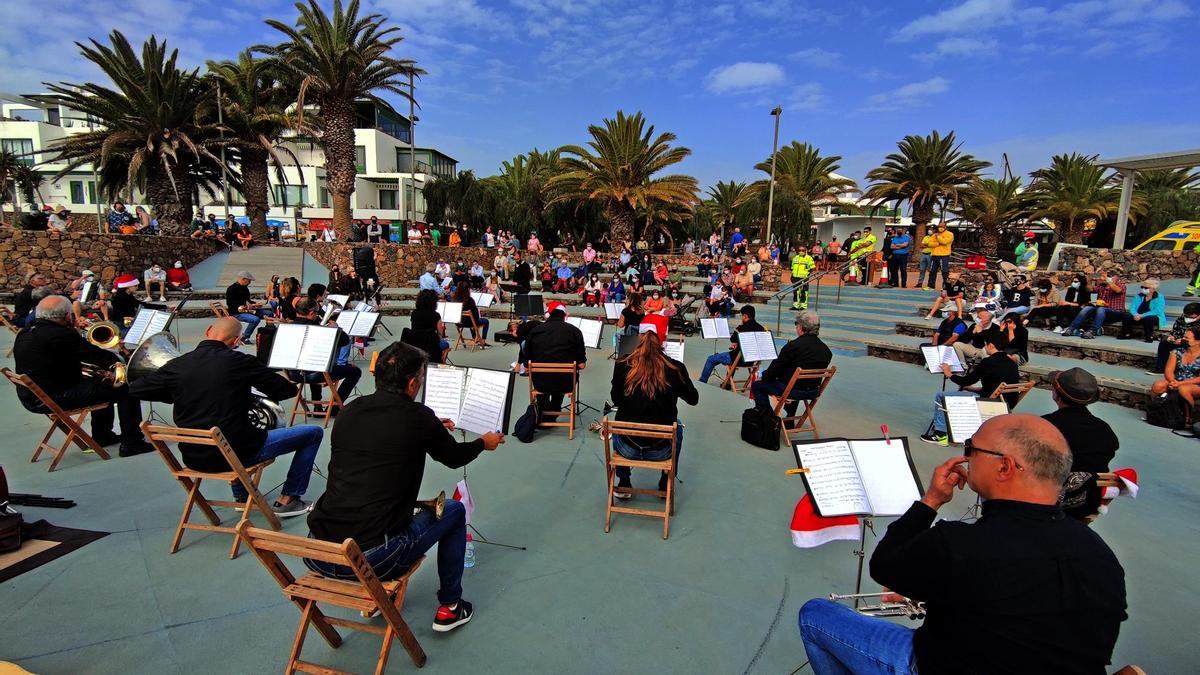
x=245, y=237
x=119, y=219
x=178, y=278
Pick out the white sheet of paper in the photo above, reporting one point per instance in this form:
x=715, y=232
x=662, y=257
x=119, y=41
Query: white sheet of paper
x=341, y=300
x=330, y=308
x=673, y=349
x=85, y=291
x=451, y=312
x=935, y=356
x=612, y=310
x=345, y=320
x=757, y=346
x=989, y=409
x=316, y=352
x=833, y=478
x=138, y=330
x=444, y=390
x=483, y=300
x=886, y=476
x=483, y=401
x=285, y=349
x=962, y=417
x=713, y=329
x=364, y=323
x=591, y=328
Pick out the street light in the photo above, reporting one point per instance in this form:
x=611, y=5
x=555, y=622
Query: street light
x=776, y=113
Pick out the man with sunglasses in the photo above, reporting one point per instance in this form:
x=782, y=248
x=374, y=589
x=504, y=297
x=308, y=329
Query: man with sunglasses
x=1024, y=589
x=995, y=369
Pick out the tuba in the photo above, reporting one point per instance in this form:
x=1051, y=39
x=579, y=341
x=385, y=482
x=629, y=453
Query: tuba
x=103, y=334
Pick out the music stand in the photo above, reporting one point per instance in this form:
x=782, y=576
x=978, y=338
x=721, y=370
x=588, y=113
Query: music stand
x=528, y=304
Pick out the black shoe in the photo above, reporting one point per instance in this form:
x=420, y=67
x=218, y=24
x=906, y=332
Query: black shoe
x=449, y=618
x=107, y=438
x=1124, y=336
x=138, y=447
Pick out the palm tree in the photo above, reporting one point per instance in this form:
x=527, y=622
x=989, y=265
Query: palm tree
x=336, y=60
x=520, y=190
x=1163, y=196
x=803, y=180
x=457, y=200
x=618, y=171
x=1071, y=191
x=152, y=133
x=29, y=183
x=9, y=166
x=255, y=114
x=994, y=205
x=726, y=202
x=927, y=170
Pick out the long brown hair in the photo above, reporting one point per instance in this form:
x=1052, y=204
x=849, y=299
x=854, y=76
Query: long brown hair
x=647, y=366
x=635, y=302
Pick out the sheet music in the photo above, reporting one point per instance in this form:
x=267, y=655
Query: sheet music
x=316, y=349
x=341, y=300
x=364, y=323
x=85, y=292
x=345, y=321
x=444, y=390
x=714, y=328
x=483, y=300
x=612, y=310
x=285, y=349
x=451, y=312
x=146, y=323
x=886, y=475
x=674, y=349
x=989, y=409
x=485, y=401
x=757, y=346
x=962, y=417
x=833, y=478
x=935, y=356
x=591, y=328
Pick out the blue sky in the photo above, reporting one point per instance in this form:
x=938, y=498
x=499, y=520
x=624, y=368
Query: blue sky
x=1027, y=77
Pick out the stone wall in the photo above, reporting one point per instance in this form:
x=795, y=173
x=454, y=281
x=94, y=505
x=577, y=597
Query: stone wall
x=1130, y=264
x=62, y=256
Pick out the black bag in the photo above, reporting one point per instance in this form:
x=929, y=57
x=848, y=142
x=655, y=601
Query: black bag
x=1169, y=411
x=264, y=340
x=526, y=425
x=761, y=428
x=10, y=522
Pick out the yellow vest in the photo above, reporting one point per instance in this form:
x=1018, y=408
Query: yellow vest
x=927, y=244
x=864, y=246
x=802, y=264
x=942, y=242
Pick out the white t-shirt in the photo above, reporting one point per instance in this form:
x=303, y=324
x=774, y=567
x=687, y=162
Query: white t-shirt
x=160, y=275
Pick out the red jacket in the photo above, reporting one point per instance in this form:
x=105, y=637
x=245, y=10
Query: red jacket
x=178, y=276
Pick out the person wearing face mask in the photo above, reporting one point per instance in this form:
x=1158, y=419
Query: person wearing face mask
x=654, y=303
x=178, y=278
x=1046, y=300
x=1110, y=299
x=592, y=291
x=1147, y=308
x=615, y=290
x=96, y=300
x=939, y=257
x=1172, y=340
x=1018, y=299
x=156, y=276
x=1075, y=298
x=1182, y=372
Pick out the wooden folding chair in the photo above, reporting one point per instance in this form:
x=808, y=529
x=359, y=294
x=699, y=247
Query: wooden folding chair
x=219, y=309
x=476, y=339
x=366, y=594
x=804, y=422
x=1021, y=389
x=730, y=380
x=568, y=397
x=612, y=460
x=7, y=318
x=1104, y=480
x=190, y=480
x=69, y=422
x=300, y=406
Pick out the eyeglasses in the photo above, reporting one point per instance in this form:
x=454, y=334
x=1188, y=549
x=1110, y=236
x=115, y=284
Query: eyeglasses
x=970, y=448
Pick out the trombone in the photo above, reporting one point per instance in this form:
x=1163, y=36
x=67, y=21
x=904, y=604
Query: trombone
x=905, y=607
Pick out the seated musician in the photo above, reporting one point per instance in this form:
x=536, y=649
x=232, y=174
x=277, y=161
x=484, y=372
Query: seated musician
x=24, y=303
x=630, y=318
x=646, y=388
x=462, y=293
x=125, y=304
x=376, y=465
x=210, y=387
x=806, y=351
x=994, y=370
x=726, y=358
x=50, y=351
x=425, y=317
x=237, y=301
x=345, y=374
x=1024, y=589
x=554, y=341
x=1091, y=440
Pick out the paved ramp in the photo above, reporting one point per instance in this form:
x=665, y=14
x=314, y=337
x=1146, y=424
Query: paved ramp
x=262, y=262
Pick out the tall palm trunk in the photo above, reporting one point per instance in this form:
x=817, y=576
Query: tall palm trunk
x=256, y=186
x=621, y=221
x=989, y=239
x=340, y=169
x=922, y=216
x=171, y=203
x=1072, y=232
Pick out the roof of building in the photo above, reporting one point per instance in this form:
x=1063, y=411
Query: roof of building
x=1164, y=160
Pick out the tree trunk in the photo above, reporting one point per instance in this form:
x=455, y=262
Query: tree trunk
x=922, y=216
x=256, y=187
x=340, y=168
x=621, y=221
x=1070, y=232
x=989, y=240
x=171, y=203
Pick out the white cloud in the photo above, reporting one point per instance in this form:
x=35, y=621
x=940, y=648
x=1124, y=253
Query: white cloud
x=962, y=47
x=972, y=15
x=809, y=96
x=909, y=95
x=818, y=58
x=744, y=76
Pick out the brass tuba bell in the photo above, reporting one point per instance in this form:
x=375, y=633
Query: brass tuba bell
x=438, y=506
x=154, y=353
x=103, y=334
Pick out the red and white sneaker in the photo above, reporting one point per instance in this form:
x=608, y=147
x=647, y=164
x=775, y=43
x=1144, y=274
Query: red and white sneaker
x=449, y=617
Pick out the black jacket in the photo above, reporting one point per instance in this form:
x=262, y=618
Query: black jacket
x=375, y=475
x=210, y=387
x=660, y=409
x=23, y=304
x=1093, y=443
x=1024, y=589
x=523, y=275
x=990, y=373
x=125, y=305
x=807, y=352
x=975, y=334
x=554, y=341
x=51, y=354
x=236, y=296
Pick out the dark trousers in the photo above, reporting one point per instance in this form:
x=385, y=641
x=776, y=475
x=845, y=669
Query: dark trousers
x=91, y=392
x=898, y=270
x=1049, y=313
x=1165, y=347
x=1149, y=325
x=939, y=262
x=346, y=374
x=762, y=390
x=1067, y=314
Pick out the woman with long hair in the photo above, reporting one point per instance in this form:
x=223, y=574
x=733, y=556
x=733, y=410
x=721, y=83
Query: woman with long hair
x=462, y=293
x=289, y=293
x=646, y=388
x=1182, y=373
x=425, y=317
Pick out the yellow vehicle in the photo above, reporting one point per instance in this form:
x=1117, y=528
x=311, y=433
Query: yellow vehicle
x=1181, y=235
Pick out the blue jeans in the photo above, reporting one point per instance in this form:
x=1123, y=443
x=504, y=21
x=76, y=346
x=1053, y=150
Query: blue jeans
x=923, y=267
x=762, y=390
x=653, y=454
x=305, y=441
x=939, y=407
x=723, y=358
x=936, y=261
x=1098, y=316
x=838, y=640
x=483, y=326
x=251, y=321
x=399, y=551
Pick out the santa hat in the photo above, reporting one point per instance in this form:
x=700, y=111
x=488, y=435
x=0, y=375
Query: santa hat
x=125, y=281
x=810, y=530
x=656, y=323
x=553, y=305
x=1127, y=486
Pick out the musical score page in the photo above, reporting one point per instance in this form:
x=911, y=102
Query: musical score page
x=833, y=478
x=886, y=475
x=483, y=300
x=85, y=292
x=935, y=356
x=451, y=312
x=364, y=323
x=989, y=409
x=316, y=349
x=444, y=390
x=962, y=417
x=591, y=329
x=285, y=349
x=612, y=310
x=345, y=320
x=713, y=329
x=757, y=346
x=673, y=349
x=485, y=401
x=341, y=300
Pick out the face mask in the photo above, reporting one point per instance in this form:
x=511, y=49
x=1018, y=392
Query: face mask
x=1074, y=284
x=1043, y=290
x=1190, y=319
x=1144, y=291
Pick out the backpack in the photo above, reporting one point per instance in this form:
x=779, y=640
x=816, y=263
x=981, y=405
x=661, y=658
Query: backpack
x=526, y=424
x=1169, y=411
x=761, y=428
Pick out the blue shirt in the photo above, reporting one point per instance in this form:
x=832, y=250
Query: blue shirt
x=902, y=240
x=736, y=239
x=564, y=272
x=428, y=282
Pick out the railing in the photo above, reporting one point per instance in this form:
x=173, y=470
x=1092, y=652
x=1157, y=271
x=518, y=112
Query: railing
x=790, y=290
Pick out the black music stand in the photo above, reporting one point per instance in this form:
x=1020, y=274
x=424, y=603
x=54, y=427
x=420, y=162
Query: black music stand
x=528, y=304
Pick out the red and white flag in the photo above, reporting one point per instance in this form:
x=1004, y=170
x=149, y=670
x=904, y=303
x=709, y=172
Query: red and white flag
x=463, y=494
x=810, y=530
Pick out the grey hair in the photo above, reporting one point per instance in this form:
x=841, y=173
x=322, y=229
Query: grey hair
x=810, y=322
x=1151, y=284
x=42, y=292
x=54, y=308
x=429, y=267
x=1048, y=459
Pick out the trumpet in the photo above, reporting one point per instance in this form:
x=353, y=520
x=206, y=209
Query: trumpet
x=438, y=505
x=906, y=607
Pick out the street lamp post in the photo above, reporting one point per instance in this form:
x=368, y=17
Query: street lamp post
x=776, y=113
x=412, y=151
x=224, y=170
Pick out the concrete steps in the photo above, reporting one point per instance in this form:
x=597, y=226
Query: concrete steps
x=262, y=262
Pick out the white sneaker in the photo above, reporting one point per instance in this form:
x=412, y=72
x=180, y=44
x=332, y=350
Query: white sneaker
x=1059, y=330
x=162, y=298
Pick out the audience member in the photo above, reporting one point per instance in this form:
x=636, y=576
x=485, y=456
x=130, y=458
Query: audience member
x=1172, y=340
x=156, y=276
x=1182, y=371
x=1016, y=338
x=950, y=329
x=1046, y=301
x=178, y=278
x=943, y=242
x=1147, y=308
x=969, y=346
x=953, y=290
x=1109, y=303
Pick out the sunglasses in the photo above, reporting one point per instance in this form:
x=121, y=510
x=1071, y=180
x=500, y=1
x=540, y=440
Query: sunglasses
x=969, y=448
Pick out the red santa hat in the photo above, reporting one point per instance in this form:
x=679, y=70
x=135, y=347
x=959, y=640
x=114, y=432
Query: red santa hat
x=810, y=530
x=656, y=323
x=125, y=281
x=553, y=305
x=1127, y=486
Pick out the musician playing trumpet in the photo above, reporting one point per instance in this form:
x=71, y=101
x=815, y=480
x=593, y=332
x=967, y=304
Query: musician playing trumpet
x=52, y=353
x=376, y=463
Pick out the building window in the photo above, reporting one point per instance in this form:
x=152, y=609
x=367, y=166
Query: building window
x=360, y=158
x=77, y=196
x=21, y=147
x=290, y=195
x=387, y=199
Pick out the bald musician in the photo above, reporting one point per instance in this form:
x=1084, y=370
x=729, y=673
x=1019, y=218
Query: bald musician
x=210, y=387
x=1024, y=589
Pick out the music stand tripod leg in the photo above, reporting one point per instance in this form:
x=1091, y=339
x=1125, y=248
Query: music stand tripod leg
x=482, y=539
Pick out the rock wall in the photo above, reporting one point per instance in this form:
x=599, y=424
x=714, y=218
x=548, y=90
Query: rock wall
x=62, y=256
x=1130, y=264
